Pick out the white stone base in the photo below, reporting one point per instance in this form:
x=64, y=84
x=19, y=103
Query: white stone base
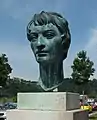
x=46, y=115
x=48, y=101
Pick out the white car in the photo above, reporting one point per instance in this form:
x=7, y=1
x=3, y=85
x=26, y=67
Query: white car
x=2, y=115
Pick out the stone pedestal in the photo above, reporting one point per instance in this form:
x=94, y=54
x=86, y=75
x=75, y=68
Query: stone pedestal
x=48, y=101
x=48, y=106
x=46, y=115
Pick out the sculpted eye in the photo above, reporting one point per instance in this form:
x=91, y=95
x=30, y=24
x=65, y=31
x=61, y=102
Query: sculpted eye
x=33, y=37
x=49, y=34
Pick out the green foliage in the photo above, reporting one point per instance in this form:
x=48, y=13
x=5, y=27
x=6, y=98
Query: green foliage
x=14, y=99
x=5, y=69
x=93, y=117
x=16, y=85
x=82, y=68
x=6, y=99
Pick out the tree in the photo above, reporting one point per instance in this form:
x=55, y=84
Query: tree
x=82, y=68
x=5, y=70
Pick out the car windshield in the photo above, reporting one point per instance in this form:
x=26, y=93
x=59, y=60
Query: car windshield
x=86, y=104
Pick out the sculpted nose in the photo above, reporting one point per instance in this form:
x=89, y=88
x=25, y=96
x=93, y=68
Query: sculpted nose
x=40, y=47
x=40, y=43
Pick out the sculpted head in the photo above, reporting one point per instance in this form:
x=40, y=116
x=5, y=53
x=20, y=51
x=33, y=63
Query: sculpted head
x=49, y=36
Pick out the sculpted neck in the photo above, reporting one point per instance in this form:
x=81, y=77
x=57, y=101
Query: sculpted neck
x=51, y=75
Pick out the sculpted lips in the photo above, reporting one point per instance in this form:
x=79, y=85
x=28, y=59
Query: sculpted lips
x=41, y=53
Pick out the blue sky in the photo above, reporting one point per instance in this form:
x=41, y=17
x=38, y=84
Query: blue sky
x=14, y=16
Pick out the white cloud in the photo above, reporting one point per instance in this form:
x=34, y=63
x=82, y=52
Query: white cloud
x=24, y=9
x=20, y=55
x=92, y=41
x=24, y=64
x=91, y=48
x=21, y=60
x=67, y=67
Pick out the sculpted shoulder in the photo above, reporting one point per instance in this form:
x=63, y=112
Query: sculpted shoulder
x=38, y=88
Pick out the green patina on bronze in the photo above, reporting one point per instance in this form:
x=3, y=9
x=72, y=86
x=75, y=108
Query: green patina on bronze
x=50, y=39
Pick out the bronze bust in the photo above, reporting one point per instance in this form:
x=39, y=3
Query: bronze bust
x=50, y=39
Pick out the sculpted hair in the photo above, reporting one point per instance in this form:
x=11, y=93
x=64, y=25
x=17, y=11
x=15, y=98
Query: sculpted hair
x=56, y=19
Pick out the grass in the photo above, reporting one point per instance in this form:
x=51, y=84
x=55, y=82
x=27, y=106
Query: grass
x=5, y=99
x=94, y=117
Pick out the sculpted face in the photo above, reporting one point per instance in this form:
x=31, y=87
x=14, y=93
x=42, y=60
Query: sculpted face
x=50, y=38
x=46, y=43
